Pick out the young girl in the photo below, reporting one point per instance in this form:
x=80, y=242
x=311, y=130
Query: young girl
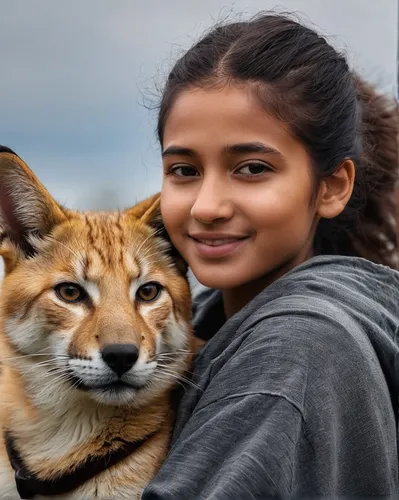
x=280, y=168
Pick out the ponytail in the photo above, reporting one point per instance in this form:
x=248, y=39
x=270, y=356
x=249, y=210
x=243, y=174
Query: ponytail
x=368, y=227
x=376, y=236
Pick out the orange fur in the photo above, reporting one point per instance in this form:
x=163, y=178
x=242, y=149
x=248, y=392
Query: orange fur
x=46, y=345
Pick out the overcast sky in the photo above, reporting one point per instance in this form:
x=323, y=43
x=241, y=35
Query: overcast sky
x=74, y=75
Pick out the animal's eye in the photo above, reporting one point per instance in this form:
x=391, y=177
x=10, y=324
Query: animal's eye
x=149, y=291
x=69, y=292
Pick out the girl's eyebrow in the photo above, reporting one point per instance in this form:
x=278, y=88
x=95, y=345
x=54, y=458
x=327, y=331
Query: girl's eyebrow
x=245, y=147
x=252, y=147
x=178, y=150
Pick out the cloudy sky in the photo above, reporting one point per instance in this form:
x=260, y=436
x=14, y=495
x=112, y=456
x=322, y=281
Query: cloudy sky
x=75, y=75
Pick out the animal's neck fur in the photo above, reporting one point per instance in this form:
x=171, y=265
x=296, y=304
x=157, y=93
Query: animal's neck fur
x=58, y=427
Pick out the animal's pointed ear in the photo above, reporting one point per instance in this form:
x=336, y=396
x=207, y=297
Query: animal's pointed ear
x=26, y=208
x=149, y=212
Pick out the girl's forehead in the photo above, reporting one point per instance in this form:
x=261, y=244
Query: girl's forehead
x=229, y=99
x=222, y=117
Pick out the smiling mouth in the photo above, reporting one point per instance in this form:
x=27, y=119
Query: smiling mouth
x=217, y=248
x=218, y=242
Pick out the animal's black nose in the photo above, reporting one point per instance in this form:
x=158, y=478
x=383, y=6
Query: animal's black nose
x=120, y=357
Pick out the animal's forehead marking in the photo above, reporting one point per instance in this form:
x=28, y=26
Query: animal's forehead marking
x=119, y=263
x=131, y=264
x=94, y=292
x=110, y=246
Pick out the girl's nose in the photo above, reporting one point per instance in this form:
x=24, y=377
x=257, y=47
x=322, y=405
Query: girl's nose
x=212, y=204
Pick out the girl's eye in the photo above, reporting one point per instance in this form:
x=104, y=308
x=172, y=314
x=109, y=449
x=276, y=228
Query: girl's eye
x=184, y=171
x=69, y=292
x=253, y=169
x=149, y=292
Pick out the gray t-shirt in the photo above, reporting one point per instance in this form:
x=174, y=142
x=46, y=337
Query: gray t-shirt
x=296, y=395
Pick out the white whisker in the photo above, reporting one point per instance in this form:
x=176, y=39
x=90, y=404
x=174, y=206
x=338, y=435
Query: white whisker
x=154, y=234
x=79, y=257
x=33, y=355
x=182, y=378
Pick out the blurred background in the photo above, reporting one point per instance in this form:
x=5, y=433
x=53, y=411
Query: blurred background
x=78, y=77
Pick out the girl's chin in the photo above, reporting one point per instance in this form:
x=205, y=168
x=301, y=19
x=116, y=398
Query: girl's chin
x=238, y=277
x=222, y=279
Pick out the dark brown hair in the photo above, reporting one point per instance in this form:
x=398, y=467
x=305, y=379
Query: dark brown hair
x=301, y=79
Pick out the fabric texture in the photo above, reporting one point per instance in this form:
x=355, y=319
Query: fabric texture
x=296, y=395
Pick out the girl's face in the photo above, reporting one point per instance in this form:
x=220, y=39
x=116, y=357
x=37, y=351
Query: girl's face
x=237, y=188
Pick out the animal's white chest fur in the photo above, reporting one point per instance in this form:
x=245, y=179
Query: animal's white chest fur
x=56, y=433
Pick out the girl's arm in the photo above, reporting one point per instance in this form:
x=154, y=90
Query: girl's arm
x=242, y=447
x=300, y=409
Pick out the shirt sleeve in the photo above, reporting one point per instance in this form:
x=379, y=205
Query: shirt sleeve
x=298, y=407
x=236, y=448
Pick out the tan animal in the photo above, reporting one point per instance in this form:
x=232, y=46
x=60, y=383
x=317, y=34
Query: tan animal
x=95, y=332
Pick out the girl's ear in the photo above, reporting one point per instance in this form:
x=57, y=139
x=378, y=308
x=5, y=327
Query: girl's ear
x=336, y=190
x=26, y=208
x=149, y=213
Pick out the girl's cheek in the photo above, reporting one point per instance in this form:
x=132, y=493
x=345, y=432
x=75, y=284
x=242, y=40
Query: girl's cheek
x=172, y=213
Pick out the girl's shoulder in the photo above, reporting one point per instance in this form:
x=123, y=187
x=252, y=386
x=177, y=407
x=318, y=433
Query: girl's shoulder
x=343, y=290
x=334, y=317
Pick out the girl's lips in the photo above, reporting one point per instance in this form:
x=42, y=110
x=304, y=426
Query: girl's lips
x=217, y=247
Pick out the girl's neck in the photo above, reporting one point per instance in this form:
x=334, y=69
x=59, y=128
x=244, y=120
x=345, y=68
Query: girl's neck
x=234, y=299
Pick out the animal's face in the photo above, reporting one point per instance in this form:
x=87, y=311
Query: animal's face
x=93, y=303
